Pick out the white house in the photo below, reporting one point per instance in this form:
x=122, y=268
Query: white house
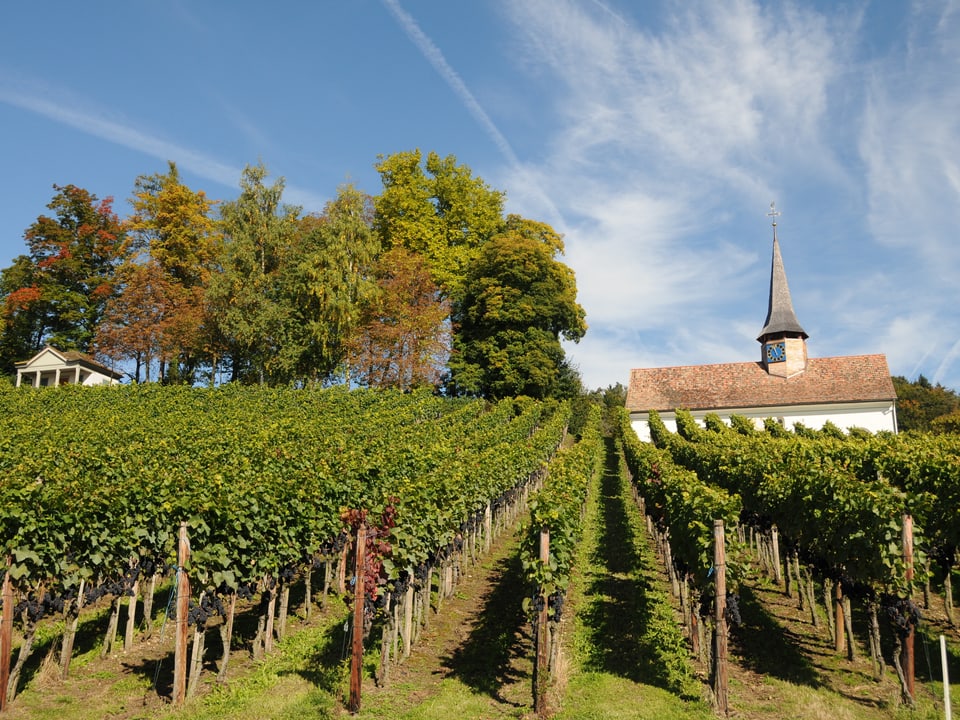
x=51, y=367
x=852, y=391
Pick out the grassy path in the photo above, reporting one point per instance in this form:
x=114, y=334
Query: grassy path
x=627, y=658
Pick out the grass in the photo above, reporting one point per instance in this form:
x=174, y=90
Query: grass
x=628, y=657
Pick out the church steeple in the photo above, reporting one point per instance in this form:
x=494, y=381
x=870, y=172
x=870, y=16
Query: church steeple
x=782, y=337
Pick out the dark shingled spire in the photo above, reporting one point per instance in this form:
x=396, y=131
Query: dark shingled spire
x=781, y=320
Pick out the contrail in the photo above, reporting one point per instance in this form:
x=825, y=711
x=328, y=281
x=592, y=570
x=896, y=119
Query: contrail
x=433, y=55
x=946, y=362
x=125, y=136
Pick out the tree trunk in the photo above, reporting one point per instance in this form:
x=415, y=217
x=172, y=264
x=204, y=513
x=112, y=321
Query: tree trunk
x=26, y=650
x=196, y=661
x=788, y=576
x=284, y=607
x=848, y=625
x=830, y=604
x=110, y=639
x=226, y=638
x=148, y=607
x=70, y=632
x=308, y=591
x=268, y=630
x=905, y=697
x=327, y=572
x=839, y=635
x=131, y=617
x=948, y=595
x=812, y=599
x=259, y=640
x=876, y=650
x=407, y=631
x=801, y=590
x=384, y=674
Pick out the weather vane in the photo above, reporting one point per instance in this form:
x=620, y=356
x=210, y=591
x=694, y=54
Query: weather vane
x=774, y=213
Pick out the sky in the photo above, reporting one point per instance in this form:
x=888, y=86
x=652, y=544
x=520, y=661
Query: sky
x=654, y=136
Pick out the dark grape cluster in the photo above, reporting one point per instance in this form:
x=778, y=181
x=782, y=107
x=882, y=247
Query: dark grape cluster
x=199, y=614
x=732, y=610
x=555, y=603
x=902, y=614
x=36, y=608
x=287, y=574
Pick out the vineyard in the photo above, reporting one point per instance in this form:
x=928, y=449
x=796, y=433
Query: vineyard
x=267, y=484
x=867, y=518
x=192, y=507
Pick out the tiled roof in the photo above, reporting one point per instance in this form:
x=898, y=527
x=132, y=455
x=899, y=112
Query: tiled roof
x=855, y=378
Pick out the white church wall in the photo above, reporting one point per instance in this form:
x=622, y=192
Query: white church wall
x=874, y=417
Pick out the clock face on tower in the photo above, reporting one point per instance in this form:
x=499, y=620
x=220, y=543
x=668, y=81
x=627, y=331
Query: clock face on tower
x=775, y=352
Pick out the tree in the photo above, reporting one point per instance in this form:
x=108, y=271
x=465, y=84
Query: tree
x=327, y=283
x=946, y=424
x=152, y=319
x=437, y=209
x=518, y=302
x=172, y=225
x=248, y=312
x=57, y=294
x=405, y=339
x=920, y=402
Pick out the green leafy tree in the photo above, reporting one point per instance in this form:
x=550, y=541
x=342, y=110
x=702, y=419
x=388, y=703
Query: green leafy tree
x=920, y=402
x=437, y=209
x=327, y=283
x=248, y=314
x=946, y=424
x=518, y=302
x=57, y=293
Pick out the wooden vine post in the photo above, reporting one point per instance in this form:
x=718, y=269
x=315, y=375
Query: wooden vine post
x=359, y=589
x=180, y=656
x=720, y=606
x=540, y=674
x=908, y=657
x=6, y=635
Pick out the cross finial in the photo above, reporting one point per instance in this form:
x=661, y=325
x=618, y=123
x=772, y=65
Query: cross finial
x=774, y=213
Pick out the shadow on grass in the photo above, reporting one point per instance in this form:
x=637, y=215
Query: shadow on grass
x=620, y=615
x=767, y=648
x=486, y=662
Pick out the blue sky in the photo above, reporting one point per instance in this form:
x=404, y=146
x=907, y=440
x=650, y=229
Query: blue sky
x=653, y=135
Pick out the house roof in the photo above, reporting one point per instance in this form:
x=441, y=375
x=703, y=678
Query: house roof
x=855, y=378
x=70, y=358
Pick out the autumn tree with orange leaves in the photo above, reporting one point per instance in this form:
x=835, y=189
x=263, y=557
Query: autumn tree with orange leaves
x=57, y=293
x=405, y=339
x=159, y=315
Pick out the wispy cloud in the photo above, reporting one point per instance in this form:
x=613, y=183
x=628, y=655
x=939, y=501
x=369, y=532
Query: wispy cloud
x=98, y=124
x=665, y=133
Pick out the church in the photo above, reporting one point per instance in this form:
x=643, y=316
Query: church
x=786, y=384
